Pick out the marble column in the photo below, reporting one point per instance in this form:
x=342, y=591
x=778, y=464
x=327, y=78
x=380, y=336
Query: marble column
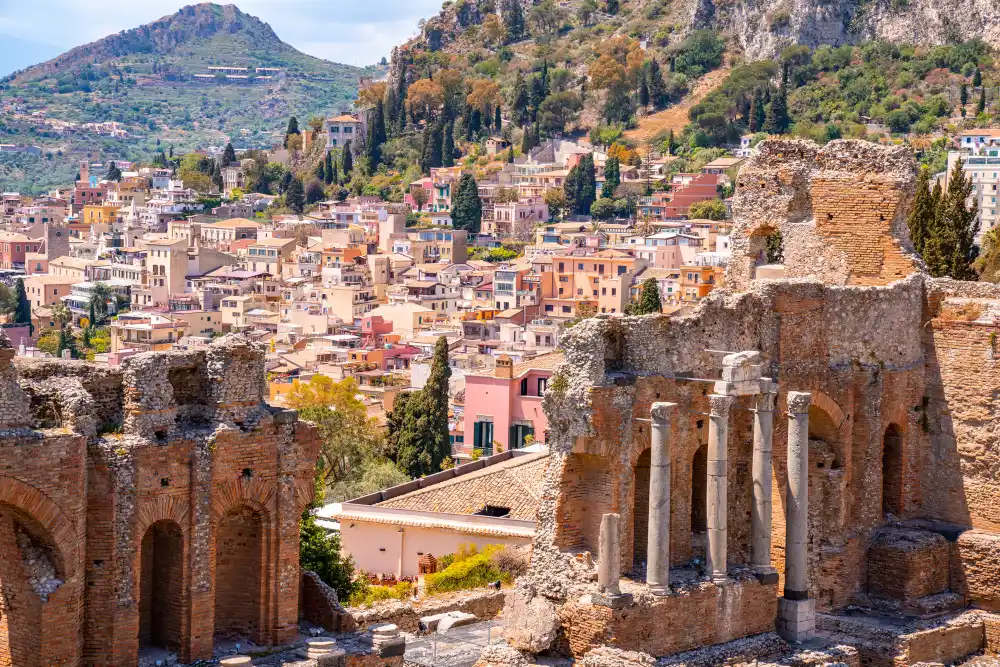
x=796, y=612
x=658, y=534
x=716, y=502
x=760, y=519
x=609, y=593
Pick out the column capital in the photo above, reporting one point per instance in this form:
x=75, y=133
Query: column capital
x=768, y=395
x=798, y=402
x=661, y=411
x=719, y=404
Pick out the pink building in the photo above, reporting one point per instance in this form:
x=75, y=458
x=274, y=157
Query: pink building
x=504, y=408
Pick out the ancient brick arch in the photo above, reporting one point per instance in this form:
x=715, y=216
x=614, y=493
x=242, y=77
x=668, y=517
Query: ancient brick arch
x=40, y=623
x=251, y=492
x=243, y=563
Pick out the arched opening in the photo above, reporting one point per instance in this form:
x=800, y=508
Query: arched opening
x=640, y=507
x=30, y=572
x=767, y=250
x=238, y=575
x=824, y=440
x=892, y=471
x=161, y=596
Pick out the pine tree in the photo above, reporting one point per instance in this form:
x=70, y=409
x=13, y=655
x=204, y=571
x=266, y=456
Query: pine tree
x=295, y=196
x=229, y=155
x=418, y=423
x=467, y=207
x=922, y=215
x=649, y=298
x=114, y=173
x=977, y=79
x=519, y=101
x=329, y=174
x=22, y=309
x=346, y=161
x=981, y=105
x=612, y=177
x=448, y=145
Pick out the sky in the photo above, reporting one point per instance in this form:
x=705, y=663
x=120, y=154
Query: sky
x=355, y=32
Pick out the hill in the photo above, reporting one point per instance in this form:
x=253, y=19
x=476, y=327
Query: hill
x=156, y=82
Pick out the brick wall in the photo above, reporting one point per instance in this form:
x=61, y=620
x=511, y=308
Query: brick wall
x=239, y=562
x=907, y=564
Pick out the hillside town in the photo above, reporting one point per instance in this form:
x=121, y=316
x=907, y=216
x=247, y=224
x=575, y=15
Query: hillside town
x=603, y=333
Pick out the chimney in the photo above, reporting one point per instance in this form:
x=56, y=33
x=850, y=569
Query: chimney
x=505, y=367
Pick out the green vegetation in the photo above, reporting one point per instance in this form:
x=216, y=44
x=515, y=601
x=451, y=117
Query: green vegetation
x=319, y=552
x=418, y=422
x=649, y=299
x=471, y=568
x=945, y=226
x=366, y=594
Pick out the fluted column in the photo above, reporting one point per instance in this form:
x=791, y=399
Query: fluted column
x=760, y=520
x=716, y=503
x=658, y=542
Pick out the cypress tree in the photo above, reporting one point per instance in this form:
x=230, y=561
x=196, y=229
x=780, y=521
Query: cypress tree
x=963, y=94
x=229, y=155
x=757, y=113
x=295, y=196
x=513, y=19
x=321, y=170
x=981, y=105
x=475, y=123
x=643, y=92
x=293, y=128
x=977, y=79
x=329, y=173
x=776, y=121
x=922, y=215
x=346, y=160
x=467, y=208
x=418, y=424
x=520, y=100
x=657, y=89
x=649, y=298
x=448, y=145
x=961, y=224
x=376, y=137
x=431, y=155
x=586, y=185
x=612, y=177
x=22, y=308
x=497, y=120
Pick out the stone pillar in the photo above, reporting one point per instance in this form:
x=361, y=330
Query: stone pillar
x=716, y=503
x=796, y=612
x=609, y=592
x=658, y=543
x=760, y=520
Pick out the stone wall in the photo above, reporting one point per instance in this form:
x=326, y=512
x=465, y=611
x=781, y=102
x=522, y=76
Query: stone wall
x=130, y=481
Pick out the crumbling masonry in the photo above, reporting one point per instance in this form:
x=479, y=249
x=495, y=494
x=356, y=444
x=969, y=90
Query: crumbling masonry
x=152, y=504
x=876, y=392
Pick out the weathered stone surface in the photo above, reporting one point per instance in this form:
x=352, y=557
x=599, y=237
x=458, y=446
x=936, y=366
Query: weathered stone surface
x=530, y=621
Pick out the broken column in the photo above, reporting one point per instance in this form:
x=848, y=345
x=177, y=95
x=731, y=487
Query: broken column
x=760, y=520
x=796, y=612
x=609, y=592
x=658, y=543
x=716, y=503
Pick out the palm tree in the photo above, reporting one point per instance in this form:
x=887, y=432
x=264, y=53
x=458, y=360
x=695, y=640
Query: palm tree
x=61, y=314
x=100, y=295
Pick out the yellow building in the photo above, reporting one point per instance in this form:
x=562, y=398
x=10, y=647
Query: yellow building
x=96, y=214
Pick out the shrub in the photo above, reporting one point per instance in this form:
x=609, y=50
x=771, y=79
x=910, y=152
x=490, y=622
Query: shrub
x=473, y=571
x=367, y=594
x=510, y=560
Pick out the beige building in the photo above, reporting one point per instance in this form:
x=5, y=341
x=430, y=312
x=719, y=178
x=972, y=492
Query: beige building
x=406, y=317
x=269, y=254
x=221, y=235
x=45, y=290
x=487, y=502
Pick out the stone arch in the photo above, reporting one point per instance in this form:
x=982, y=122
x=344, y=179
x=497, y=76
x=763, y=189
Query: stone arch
x=892, y=470
x=40, y=580
x=162, y=599
x=252, y=492
x=757, y=248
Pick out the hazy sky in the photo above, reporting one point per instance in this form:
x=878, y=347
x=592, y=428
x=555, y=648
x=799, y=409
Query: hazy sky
x=356, y=32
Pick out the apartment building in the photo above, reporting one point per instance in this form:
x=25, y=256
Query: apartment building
x=599, y=281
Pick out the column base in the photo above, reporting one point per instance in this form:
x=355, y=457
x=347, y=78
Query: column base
x=796, y=620
x=660, y=590
x=612, y=600
x=718, y=578
x=766, y=575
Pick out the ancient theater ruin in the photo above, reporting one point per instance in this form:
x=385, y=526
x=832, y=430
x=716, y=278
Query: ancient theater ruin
x=801, y=470
x=154, y=504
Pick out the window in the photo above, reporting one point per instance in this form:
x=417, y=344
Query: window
x=621, y=270
x=524, y=387
x=579, y=267
x=614, y=291
x=566, y=309
x=548, y=308
x=482, y=437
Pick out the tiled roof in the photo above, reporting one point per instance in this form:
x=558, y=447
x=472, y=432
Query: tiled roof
x=515, y=484
x=543, y=362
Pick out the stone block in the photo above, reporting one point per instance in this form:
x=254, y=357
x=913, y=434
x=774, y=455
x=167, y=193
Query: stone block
x=390, y=648
x=614, y=601
x=455, y=619
x=530, y=622
x=796, y=620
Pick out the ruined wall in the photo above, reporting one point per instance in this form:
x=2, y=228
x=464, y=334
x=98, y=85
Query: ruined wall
x=127, y=476
x=841, y=210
